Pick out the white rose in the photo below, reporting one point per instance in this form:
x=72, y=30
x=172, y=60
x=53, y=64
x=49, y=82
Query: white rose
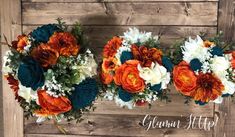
x=153, y=75
x=27, y=93
x=219, y=65
x=229, y=87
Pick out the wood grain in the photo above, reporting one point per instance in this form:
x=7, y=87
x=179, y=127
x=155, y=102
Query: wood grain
x=151, y=13
x=161, y=108
x=116, y=125
x=89, y=1
x=1, y=95
x=226, y=19
x=11, y=27
x=59, y=135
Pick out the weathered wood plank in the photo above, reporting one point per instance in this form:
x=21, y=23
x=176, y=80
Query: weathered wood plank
x=225, y=19
x=89, y=1
x=161, y=108
x=233, y=27
x=59, y=135
x=226, y=125
x=1, y=97
x=10, y=27
x=162, y=13
x=116, y=125
x=99, y=35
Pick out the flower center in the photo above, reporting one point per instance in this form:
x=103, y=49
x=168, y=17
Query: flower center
x=132, y=78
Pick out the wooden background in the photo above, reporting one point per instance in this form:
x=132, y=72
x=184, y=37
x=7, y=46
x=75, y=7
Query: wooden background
x=102, y=19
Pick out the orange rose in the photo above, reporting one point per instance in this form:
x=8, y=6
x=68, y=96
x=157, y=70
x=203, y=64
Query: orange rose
x=65, y=43
x=110, y=49
x=45, y=55
x=127, y=76
x=20, y=43
x=109, y=64
x=184, y=78
x=51, y=105
x=146, y=56
x=209, y=87
x=106, y=78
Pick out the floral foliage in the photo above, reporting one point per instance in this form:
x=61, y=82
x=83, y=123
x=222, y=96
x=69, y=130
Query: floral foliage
x=134, y=70
x=47, y=69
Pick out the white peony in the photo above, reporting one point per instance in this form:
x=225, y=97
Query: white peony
x=219, y=66
x=195, y=49
x=135, y=36
x=156, y=74
x=27, y=93
x=229, y=87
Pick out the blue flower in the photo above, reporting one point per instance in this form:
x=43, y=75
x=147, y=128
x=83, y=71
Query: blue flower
x=43, y=33
x=84, y=94
x=217, y=51
x=166, y=62
x=126, y=55
x=226, y=95
x=195, y=64
x=124, y=95
x=200, y=103
x=156, y=88
x=30, y=73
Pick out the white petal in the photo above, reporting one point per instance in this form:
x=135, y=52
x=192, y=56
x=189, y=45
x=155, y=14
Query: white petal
x=219, y=100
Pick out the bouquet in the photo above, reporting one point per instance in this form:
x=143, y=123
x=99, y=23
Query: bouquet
x=134, y=70
x=205, y=72
x=51, y=72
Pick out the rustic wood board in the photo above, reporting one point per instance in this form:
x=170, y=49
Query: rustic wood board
x=174, y=108
x=161, y=13
x=89, y=1
x=115, y=125
x=10, y=27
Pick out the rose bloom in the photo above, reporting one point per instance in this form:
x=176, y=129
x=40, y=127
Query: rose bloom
x=51, y=105
x=184, y=78
x=109, y=64
x=45, y=55
x=127, y=76
x=208, y=44
x=146, y=56
x=110, y=49
x=106, y=78
x=209, y=87
x=140, y=103
x=65, y=43
x=20, y=43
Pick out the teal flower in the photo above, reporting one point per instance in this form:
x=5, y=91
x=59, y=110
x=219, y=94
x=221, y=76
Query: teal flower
x=84, y=94
x=200, y=103
x=195, y=64
x=166, y=62
x=217, y=51
x=30, y=73
x=43, y=33
x=124, y=95
x=156, y=88
x=126, y=55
